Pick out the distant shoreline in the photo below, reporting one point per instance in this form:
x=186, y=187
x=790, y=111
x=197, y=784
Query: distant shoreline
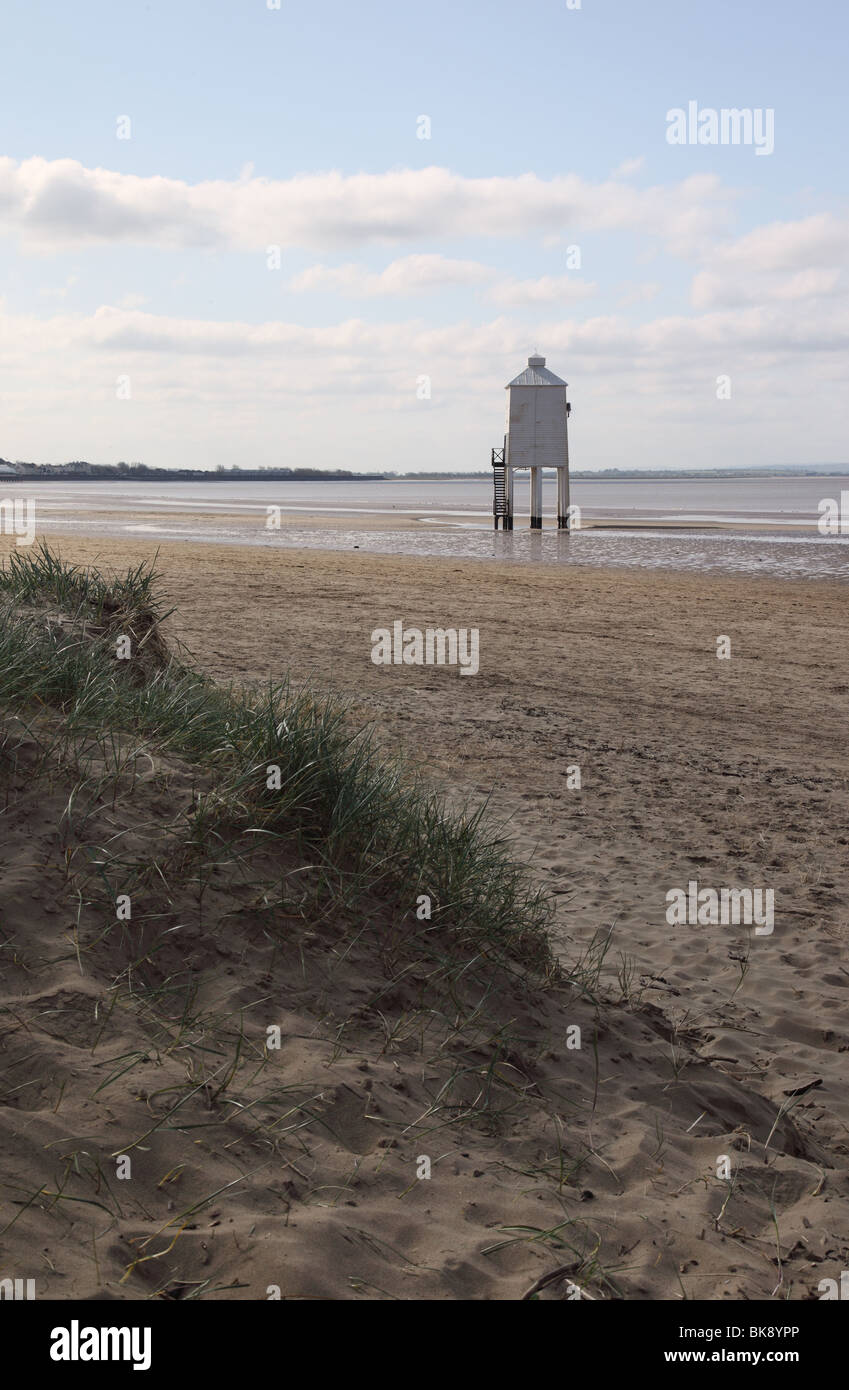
x=273, y=475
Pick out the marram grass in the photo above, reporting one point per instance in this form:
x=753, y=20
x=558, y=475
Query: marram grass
x=359, y=809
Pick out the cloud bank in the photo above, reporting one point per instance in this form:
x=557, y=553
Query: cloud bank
x=52, y=204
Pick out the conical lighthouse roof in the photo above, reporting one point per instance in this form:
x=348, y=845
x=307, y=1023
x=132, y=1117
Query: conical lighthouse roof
x=536, y=374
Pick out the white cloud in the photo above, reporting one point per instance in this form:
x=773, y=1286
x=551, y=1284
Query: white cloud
x=320, y=360
x=48, y=292
x=781, y=262
x=628, y=167
x=411, y=275
x=132, y=300
x=639, y=293
x=711, y=290
x=54, y=204
x=812, y=241
x=548, y=289
x=407, y=276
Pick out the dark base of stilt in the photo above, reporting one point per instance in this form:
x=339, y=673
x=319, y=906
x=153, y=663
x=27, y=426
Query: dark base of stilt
x=508, y=523
x=563, y=523
x=536, y=523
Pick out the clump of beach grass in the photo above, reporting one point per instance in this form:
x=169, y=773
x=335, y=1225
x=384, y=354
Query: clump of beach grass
x=82, y=602
x=283, y=760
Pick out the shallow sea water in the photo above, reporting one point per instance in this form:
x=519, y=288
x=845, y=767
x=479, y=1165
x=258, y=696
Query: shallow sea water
x=740, y=552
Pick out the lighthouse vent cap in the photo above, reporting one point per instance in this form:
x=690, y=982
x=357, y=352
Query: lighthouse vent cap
x=536, y=361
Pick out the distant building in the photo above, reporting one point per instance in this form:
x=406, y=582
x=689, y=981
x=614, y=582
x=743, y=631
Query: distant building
x=8, y=471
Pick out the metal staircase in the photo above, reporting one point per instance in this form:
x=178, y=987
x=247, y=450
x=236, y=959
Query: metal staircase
x=500, y=506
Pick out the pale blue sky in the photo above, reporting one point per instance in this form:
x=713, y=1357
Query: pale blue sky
x=145, y=258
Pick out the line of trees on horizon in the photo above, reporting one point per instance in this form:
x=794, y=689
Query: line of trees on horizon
x=80, y=469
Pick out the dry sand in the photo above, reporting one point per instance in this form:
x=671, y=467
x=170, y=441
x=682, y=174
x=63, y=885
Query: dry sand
x=730, y=772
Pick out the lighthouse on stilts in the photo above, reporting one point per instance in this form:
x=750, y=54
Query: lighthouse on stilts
x=536, y=438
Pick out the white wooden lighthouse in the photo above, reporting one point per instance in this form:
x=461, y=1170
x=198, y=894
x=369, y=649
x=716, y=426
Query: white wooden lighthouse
x=536, y=438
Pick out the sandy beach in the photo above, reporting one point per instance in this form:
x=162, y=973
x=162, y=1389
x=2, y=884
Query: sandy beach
x=728, y=772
